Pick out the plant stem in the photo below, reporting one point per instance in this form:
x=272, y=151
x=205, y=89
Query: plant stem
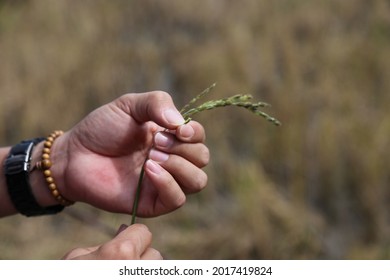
x=239, y=100
x=196, y=98
x=137, y=194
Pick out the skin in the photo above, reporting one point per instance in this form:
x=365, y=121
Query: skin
x=99, y=160
x=130, y=243
x=114, y=156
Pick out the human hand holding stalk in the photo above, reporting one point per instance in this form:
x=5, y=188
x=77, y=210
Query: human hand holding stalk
x=189, y=110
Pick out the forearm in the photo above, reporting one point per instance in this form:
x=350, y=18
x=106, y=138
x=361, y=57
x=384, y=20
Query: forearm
x=6, y=206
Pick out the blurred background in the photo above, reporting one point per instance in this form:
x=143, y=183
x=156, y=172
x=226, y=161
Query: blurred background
x=318, y=187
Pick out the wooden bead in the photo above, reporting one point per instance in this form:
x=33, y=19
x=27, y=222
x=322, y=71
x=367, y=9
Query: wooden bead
x=45, y=165
x=50, y=180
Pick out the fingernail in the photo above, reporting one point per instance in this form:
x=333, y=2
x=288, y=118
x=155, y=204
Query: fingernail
x=162, y=140
x=186, y=131
x=173, y=117
x=154, y=167
x=121, y=228
x=158, y=156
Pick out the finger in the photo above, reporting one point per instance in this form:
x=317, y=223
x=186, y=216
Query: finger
x=156, y=106
x=190, y=178
x=192, y=132
x=151, y=254
x=139, y=233
x=170, y=196
x=131, y=243
x=81, y=253
x=197, y=153
x=121, y=228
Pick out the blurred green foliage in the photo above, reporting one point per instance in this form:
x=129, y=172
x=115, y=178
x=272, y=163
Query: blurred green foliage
x=315, y=188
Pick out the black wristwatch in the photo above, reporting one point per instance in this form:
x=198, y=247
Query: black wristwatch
x=16, y=169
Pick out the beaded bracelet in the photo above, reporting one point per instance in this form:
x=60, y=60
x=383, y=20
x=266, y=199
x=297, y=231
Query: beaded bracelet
x=45, y=165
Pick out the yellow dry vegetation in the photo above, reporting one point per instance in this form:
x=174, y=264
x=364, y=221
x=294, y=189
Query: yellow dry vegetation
x=318, y=187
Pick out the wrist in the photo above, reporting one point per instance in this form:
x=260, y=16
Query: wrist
x=47, y=176
x=37, y=180
x=6, y=206
x=59, y=159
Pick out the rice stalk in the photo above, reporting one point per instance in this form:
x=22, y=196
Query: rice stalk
x=189, y=110
x=196, y=98
x=239, y=100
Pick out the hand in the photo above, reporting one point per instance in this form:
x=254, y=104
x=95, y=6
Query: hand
x=130, y=243
x=106, y=151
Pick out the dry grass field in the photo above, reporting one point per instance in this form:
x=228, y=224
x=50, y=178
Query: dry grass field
x=318, y=187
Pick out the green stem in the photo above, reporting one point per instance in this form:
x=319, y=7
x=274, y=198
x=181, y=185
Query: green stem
x=141, y=176
x=137, y=194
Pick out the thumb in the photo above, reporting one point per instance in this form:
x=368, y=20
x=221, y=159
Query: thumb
x=156, y=106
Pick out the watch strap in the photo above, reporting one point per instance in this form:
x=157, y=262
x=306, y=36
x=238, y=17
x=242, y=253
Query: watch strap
x=16, y=169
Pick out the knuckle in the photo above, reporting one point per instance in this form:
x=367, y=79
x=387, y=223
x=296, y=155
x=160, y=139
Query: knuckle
x=159, y=96
x=122, y=102
x=143, y=230
x=126, y=250
x=121, y=250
